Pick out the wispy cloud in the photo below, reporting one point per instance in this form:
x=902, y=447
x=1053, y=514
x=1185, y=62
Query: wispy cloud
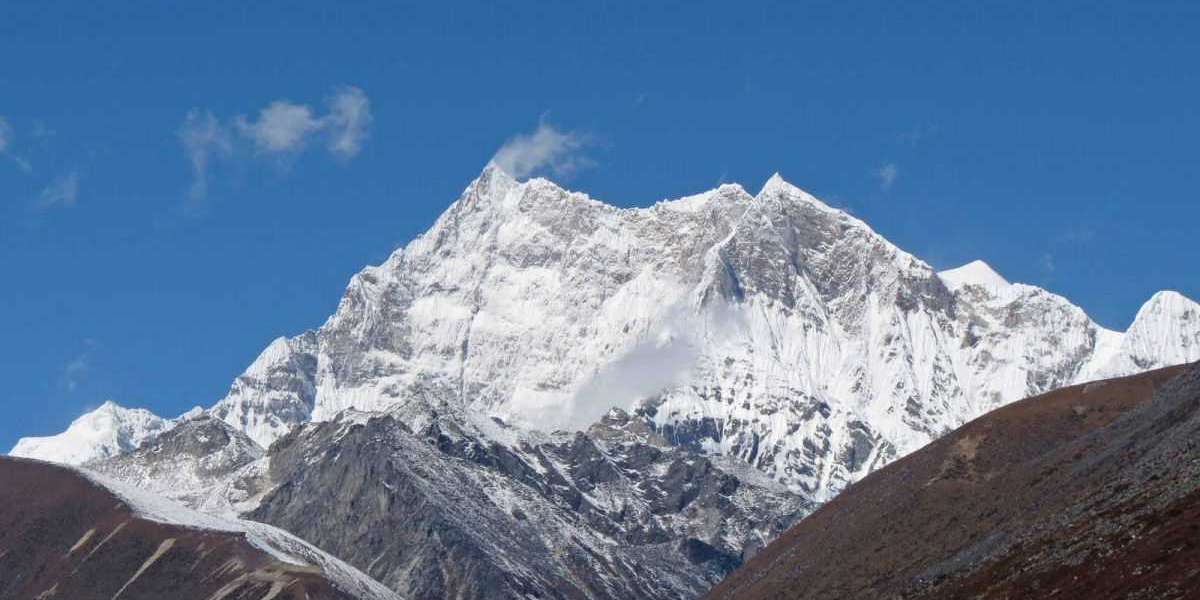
x=917, y=134
x=1075, y=236
x=78, y=367
x=6, y=139
x=1065, y=246
x=281, y=129
x=1047, y=263
x=203, y=138
x=63, y=191
x=6, y=134
x=41, y=131
x=75, y=370
x=349, y=121
x=546, y=148
x=887, y=175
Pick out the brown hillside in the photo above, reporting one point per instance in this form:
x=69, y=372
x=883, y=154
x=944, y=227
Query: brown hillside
x=64, y=537
x=1091, y=491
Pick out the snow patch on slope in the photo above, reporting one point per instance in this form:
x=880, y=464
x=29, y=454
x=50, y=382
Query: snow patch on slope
x=280, y=544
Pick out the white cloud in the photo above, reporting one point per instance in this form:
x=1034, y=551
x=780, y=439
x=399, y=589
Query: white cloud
x=348, y=121
x=203, y=137
x=63, y=191
x=648, y=368
x=281, y=127
x=546, y=148
x=887, y=175
x=285, y=127
x=659, y=359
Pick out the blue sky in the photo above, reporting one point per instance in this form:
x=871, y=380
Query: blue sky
x=1059, y=143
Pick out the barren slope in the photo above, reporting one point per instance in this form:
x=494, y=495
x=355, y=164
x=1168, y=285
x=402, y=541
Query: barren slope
x=64, y=536
x=1092, y=491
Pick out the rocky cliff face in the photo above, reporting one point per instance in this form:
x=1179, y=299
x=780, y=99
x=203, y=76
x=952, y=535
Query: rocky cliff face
x=448, y=507
x=202, y=462
x=276, y=392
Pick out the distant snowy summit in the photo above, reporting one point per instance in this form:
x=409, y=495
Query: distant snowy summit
x=976, y=273
x=106, y=431
x=770, y=329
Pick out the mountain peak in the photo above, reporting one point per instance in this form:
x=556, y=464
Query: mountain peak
x=779, y=189
x=976, y=273
x=776, y=185
x=1170, y=300
x=108, y=430
x=1166, y=331
x=1170, y=310
x=491, y=169
x=774, y=182
x=491, y=184
x=1169, y=314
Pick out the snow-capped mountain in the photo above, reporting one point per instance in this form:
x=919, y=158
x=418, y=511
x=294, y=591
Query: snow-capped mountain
x=106, y=431
x=734, y=359
x=770, y=328
x=1163, y=333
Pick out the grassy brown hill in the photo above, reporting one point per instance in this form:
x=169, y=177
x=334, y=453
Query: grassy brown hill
x=64, y=537
x=1091, y=491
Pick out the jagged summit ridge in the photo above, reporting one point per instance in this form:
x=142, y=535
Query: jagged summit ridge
x=772, y=329
x=527, y=299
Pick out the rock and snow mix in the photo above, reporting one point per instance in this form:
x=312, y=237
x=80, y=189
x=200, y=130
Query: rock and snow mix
x=761, y=352
x=779, y=336
x=768, y=328
x=280, y=544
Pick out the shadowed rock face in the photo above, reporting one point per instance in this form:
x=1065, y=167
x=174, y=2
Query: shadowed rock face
x=62, y=536
x=1092, y=491
x=437, y=511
